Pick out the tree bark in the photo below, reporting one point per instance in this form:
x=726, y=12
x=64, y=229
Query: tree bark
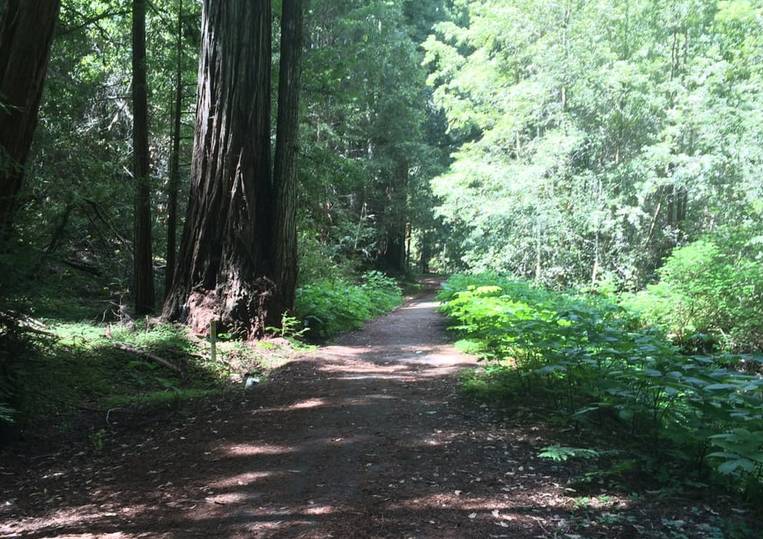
x=26, y=34
x=224, y=261
x=392, y=257
x=287, y=149
x=426, y=253
x=143, y=259
x=174, y=180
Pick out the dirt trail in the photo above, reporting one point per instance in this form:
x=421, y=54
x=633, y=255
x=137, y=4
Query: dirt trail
x=364, y=438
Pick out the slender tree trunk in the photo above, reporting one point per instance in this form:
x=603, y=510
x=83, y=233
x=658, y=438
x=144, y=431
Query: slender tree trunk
x=223, y=266
x=426, y=253
x=287, y=149
x=408, y=237
x=174, y=180
x=595, y=268
x=538, y=250
x=143, y=272
x=26, y=34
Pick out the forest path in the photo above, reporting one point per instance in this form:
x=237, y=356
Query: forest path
x=363, y=438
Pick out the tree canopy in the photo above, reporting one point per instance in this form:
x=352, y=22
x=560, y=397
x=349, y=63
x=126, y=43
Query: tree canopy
x=593, y=137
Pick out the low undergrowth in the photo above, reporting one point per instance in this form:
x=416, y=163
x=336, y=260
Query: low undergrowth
x=328, y=307
x=68, y=360
x=50, y=376
x=591, y=363
x=710, y=293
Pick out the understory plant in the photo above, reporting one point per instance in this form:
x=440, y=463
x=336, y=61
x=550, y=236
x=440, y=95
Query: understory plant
x=595, y=362
x=329, y=306
x=710, y=293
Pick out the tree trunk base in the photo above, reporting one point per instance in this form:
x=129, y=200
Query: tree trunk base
x=230, y=305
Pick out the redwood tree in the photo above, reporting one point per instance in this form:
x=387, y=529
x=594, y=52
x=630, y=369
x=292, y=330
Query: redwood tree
x=26, y=33
x=285, y=168
x=392, y=257
x=174, y=179
x=224, y=264
x=143, y=259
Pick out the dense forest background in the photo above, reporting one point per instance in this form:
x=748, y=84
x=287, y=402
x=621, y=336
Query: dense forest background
x=595, y=137
x=575, y=143
x=590, y=171
x=365, y=158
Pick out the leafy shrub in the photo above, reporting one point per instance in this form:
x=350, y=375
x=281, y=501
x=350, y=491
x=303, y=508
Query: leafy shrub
x=560, y=453
x=592, y=360
x=6, y=414
x=330, y=306
x=710, y=293
x=18, y=340
x=290, y=328
x=320, y=261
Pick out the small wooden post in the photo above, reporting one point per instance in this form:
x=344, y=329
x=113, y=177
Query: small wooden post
x=213, y=340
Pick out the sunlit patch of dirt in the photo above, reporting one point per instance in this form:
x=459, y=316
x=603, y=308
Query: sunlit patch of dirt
x=309, y=403
x=319, y=510
x=230, y=498
x=246, y=478
x=247, y=450
x=61, y=518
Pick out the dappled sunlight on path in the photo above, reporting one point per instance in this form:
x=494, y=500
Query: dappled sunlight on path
x=363, y=438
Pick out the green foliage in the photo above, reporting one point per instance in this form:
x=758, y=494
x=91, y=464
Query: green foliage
x=369, y=133
x=710, y=291
x=331, y=306
x=290, y=328
x=320, y=260
x=79, y=365
x=585, y=145
x=97, y=439
x=17, y=342
x=560, y=453
x=163, y=339
x=76, y=209
x=365, y=155
x=592, y=361
x=6, y=414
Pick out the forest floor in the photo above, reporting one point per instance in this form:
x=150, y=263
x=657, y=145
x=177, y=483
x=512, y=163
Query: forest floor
x=367, y=437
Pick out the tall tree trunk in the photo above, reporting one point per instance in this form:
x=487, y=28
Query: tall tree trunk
x=285, y=167
x=143, y=272
x=392, y=257
x=174, y=180
x=223, y=265
x=426, y=253
x=26, y=34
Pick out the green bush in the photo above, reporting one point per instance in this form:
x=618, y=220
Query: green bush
x=592, y=361
x=320, y=261
x=329, y=306
x=710, y=293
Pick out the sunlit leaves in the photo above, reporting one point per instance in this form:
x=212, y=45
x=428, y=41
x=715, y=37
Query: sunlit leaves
x=597, y=136
x=592, y=362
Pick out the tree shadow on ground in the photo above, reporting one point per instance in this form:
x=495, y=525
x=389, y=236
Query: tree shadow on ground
x=366, y=438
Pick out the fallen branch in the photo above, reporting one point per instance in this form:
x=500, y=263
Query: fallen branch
x=82, y=266
x=19, y=321
x=108, y=414
x=149, y=355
